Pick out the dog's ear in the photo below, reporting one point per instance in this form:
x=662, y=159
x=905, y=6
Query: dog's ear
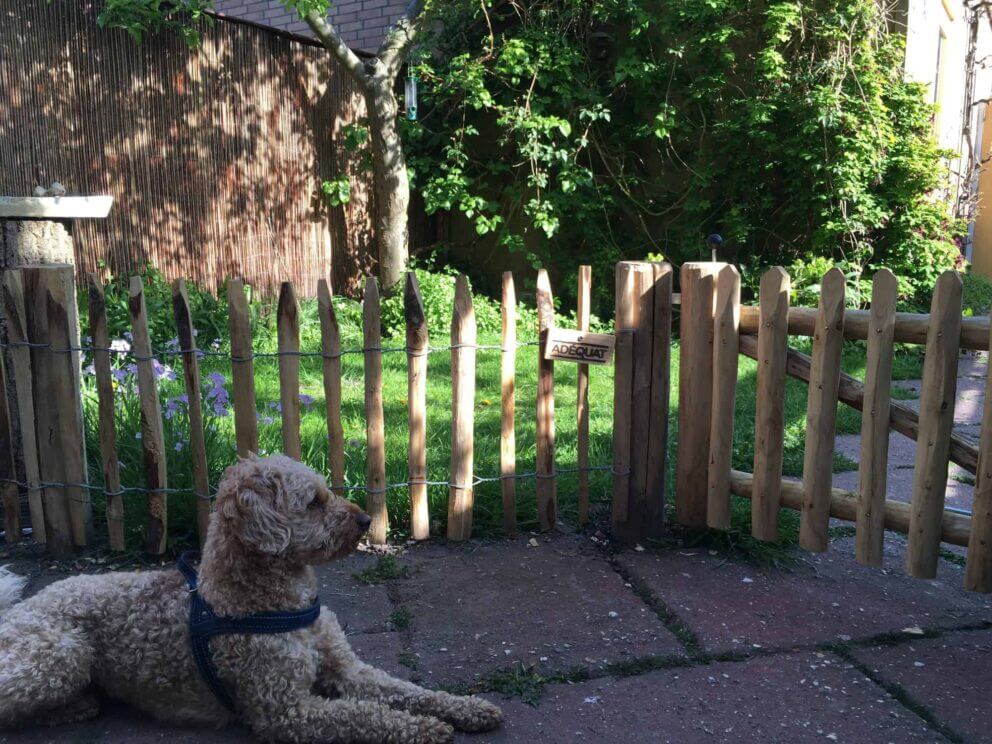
x=255, y=503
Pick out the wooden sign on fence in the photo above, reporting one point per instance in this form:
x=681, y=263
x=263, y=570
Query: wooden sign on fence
x=566, y=345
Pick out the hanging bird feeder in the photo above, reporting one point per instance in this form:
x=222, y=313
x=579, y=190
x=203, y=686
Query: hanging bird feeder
x=410, y=96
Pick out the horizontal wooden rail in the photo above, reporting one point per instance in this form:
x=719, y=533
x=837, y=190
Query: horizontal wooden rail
x=955, y=527
x=911, y=328
x=902, y=418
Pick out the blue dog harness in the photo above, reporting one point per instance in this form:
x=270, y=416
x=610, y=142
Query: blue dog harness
x=204, y=624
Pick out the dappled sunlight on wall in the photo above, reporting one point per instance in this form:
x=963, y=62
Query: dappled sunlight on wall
x=214, y=157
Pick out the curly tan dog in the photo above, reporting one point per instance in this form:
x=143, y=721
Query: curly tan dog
x=127, y=634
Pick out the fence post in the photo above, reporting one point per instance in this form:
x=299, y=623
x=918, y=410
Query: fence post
x=463, y=338
x=417, y=345
x=20, y=359
x=940, y=371
x=978, y=569
x=640, y=394
x=375, y=425
x=105, y=398
x=726, y=343
x=547, y=482
x=330, y=345
x=623, y=362
x=695, y=391
x=191, y=377
x=870, y=531
x=821, y=413
x=50, y=304
x=152, y=436
x=242, y=370
x=769, y=423
x=288, y=329
x=507, y=433
x=8, y=473
x=582, y=316
x=661, y=362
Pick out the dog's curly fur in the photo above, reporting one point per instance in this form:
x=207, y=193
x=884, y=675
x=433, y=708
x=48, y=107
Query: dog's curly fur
x=126, y=634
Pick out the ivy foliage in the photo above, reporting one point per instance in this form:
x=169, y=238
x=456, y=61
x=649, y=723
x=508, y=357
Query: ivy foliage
x=617, y=128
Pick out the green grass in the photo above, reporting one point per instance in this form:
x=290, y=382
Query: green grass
x=488, y=500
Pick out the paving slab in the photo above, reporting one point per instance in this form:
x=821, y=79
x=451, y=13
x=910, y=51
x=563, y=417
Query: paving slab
x=382, y=650
x=951, y=676
x=789, y=697
x=485, y=606
x=359, y=607
x=825, y=597
x=120, y=723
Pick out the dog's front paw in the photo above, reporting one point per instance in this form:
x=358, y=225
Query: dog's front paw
x=432, y=730
x=475, y=714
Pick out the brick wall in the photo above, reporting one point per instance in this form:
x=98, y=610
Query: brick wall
x=362, y=23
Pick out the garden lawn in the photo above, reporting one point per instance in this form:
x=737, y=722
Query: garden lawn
x=215, y=374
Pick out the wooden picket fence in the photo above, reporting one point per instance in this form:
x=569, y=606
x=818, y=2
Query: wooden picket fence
x=715, y=328
x=39, y=306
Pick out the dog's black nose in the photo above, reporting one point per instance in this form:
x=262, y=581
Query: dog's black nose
x=364, y=520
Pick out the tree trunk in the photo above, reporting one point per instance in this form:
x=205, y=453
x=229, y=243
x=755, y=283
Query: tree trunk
x=392, y=189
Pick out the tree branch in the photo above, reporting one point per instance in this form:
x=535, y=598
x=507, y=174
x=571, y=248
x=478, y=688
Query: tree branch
x=328, y=36
x=400, y=38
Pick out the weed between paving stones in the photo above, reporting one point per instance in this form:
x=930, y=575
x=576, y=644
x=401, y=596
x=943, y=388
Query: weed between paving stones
x=400, y=618
x=385, y=569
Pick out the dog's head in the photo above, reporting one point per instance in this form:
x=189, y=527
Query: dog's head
x=277, y=506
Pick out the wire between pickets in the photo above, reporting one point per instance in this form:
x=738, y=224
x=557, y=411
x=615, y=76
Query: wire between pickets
x=259, y=354
x=126, y=490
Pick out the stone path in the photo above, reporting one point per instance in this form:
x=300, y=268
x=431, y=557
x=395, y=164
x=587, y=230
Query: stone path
x=579, y=644
x=972, y=369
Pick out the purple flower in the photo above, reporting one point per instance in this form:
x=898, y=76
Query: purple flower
x=89, y=369
x=179, y=446
x=216, y=378
x=163, y=370
x=306, y=400
x=276, y=406
x=120, y=375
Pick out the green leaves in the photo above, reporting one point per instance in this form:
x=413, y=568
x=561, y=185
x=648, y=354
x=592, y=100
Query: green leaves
x=142, y=17
x=337, y=191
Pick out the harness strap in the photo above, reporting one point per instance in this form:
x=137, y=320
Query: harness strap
x=204, y=624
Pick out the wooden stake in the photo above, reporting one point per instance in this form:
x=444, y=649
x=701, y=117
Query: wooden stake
x=547, y=482
x=725, y=346
x=463, y=339
x=978, y=569
x=417, y=346
x=191, y=378
x=769, y=425
x=8, y=474
x=288, y=327
x=582, y=315
x=20, y=358
x=330, y=344
x=695, y=392
x=821, y=413
x=242, y=370
x=507, y=434
x=940, y=371
x=105, y=401
x=661, y=364
x=875, y=421
x=152, y=437
x=375, y=465
x=623, y=364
